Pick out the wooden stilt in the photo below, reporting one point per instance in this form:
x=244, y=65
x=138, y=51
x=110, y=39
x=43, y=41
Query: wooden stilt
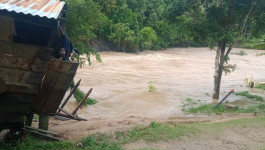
x=29, y=118
x=43, y=122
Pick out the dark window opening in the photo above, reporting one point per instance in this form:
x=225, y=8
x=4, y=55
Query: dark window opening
x=32, y=34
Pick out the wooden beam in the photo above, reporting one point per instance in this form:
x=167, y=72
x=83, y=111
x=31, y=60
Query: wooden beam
x=69, y=96
x=43, y=136
x=30, y=64
x=11, y=117
x=24, y=51
x=16, y=98
x=23, y=88
x=13, y=108
x=15, y=103
x=40, y=130
x=3, y=87
x=15, y=76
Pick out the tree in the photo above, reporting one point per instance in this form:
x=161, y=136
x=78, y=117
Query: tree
x=84, y=19
x=122, y=35
x=147, y=37
x=221, y=22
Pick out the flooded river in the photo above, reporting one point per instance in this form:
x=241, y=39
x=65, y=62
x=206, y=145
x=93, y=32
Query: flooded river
x=120, y=82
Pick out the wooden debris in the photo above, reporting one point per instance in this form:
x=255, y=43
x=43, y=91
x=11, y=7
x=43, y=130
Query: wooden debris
x=42, y=134
x=69, y=96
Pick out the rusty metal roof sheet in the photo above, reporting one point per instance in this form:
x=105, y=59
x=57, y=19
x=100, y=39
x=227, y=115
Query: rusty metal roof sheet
x=42, y=8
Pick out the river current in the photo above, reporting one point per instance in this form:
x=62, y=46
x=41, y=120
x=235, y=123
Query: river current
x=120, y=82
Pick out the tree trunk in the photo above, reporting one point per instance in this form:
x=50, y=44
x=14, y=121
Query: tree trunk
x=219, y=64
x=221, y=55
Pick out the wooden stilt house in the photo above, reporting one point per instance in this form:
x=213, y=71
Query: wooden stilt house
x=31, y=79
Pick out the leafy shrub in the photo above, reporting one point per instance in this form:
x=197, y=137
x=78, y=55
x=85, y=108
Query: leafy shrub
x=260, y=86
x=241, y=53
x=154, y=124
x=151, y=86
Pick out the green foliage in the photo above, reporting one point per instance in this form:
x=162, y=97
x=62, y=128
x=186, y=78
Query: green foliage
x=151, y=86
x=148, y=149
x=100, y=142
x=154, y=124
x=165, y=23
x=84, y=19
x=260, y=54
x=260, y=86
x=151, y=134
x=188, y=99
x=250, y=96
x=164, y=132
x=253, y=42
x=209, y=109
x=79, y=95
x=188, y=103
x=192, y=106
x=34, y=144
x=241, y=53
x=261, y=107
x=228, y=68
x=147, y=37
x=206, y=109
x=91, y=142
x=123, y=36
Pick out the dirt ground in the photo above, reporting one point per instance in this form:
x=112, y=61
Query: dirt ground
x=75, y=130
x=236, y=138
x=120, y=86
x=231, y=139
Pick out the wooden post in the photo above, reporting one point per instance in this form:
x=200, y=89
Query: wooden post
x=252, y=84
x=82, y=102
x=29, y=118
x=43, y=122
x=69, y=96
x=224, y=98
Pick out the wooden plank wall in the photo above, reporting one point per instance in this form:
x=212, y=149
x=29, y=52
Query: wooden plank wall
x=7, y=28
x=13, y=106
x=22, y=67
x=58, y=77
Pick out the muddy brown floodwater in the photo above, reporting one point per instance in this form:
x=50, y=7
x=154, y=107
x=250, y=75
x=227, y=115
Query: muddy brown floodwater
x=120, y=86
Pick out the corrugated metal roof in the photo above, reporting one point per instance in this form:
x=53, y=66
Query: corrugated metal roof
x=42, y=8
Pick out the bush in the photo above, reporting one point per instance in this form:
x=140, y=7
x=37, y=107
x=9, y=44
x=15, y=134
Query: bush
x=147, y=37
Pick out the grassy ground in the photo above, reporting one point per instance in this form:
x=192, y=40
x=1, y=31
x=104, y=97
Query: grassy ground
x=153, y=133
x=260, y=86
x=256, y=106
x=253, y=43
x=250, y=96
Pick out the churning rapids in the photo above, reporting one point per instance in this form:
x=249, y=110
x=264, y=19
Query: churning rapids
x=120, y=82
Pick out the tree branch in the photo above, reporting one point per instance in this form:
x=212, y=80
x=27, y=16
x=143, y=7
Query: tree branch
x=241, y=29
x=229, y=12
